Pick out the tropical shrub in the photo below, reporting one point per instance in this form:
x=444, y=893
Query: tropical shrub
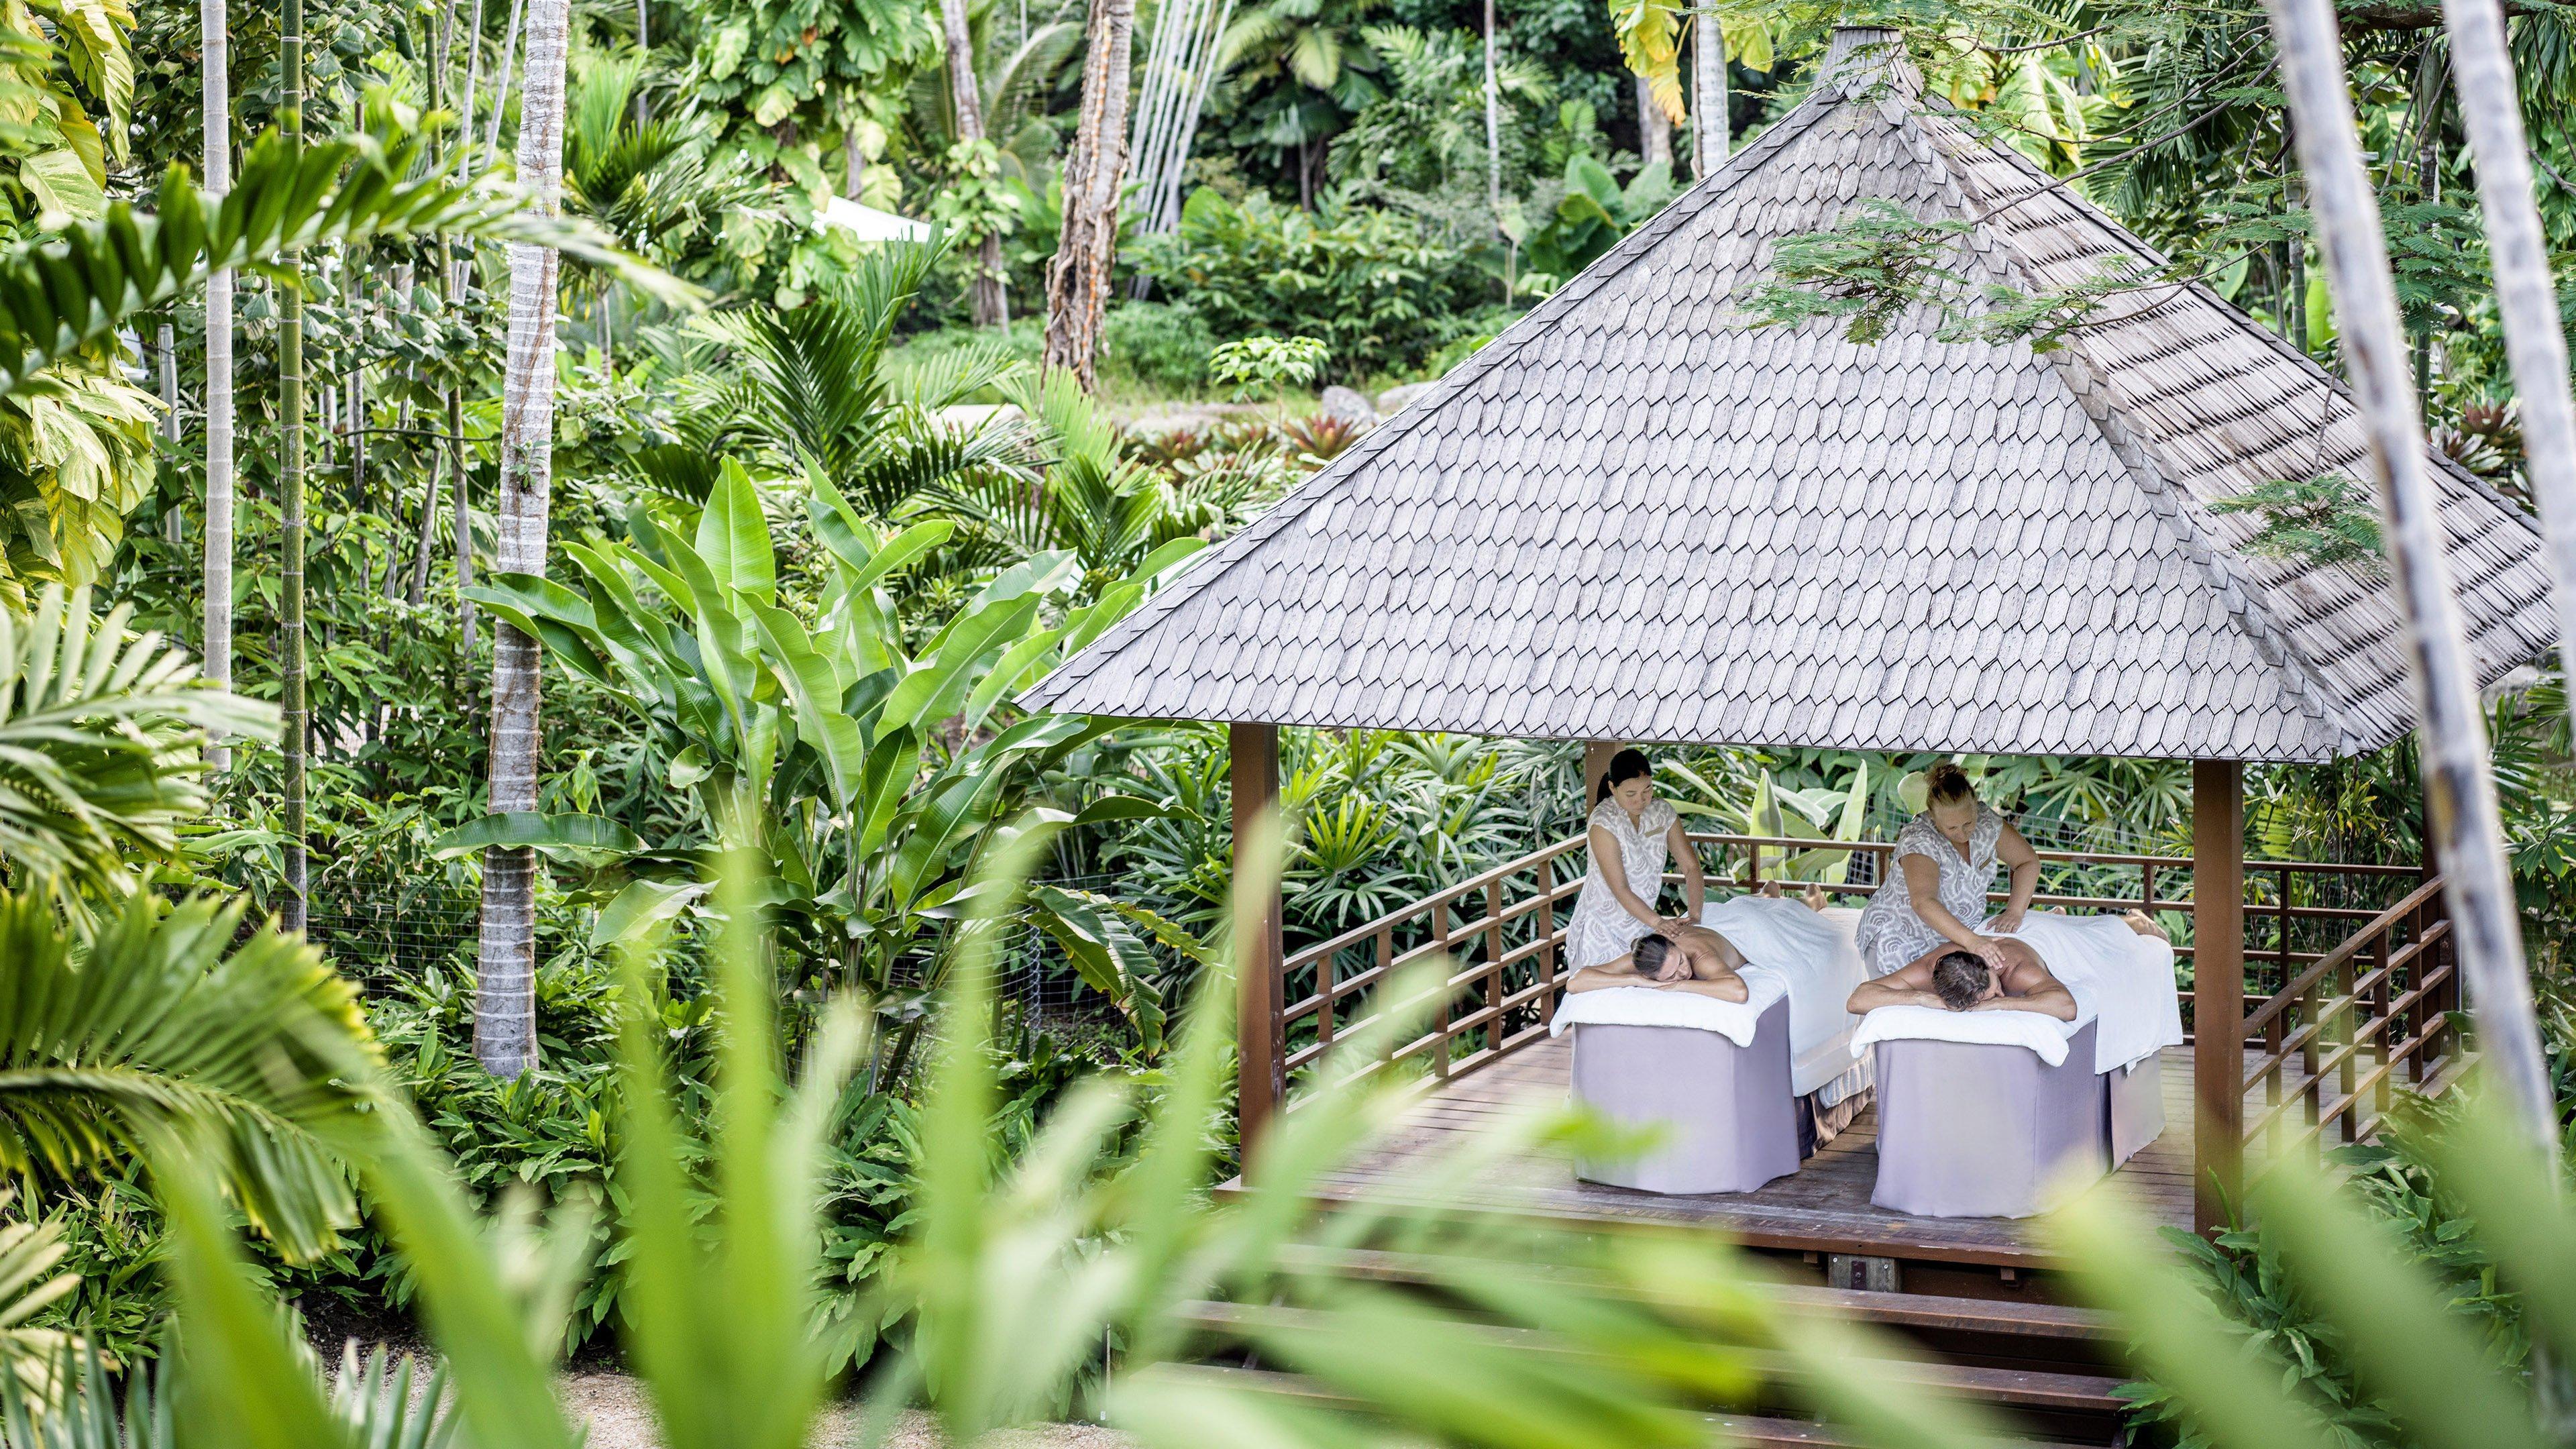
x=1372, y=285
x=1162, y=343
x=860, y=768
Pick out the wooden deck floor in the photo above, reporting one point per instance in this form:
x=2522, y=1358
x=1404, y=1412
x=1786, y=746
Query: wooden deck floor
x=1823, y=1207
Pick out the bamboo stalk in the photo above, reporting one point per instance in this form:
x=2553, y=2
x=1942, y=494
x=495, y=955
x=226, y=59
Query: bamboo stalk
x=2459, y=788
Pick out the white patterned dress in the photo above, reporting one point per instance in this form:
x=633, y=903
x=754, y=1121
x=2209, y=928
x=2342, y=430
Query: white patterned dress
x=1891, y=934
x=1601, y=930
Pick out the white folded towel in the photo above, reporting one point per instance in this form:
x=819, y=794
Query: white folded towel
x=1647, y=1006
x=2045, y=1035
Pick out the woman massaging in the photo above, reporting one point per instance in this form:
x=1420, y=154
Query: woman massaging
x=1633, y=836
x=1945, y=861
x=1615, y=937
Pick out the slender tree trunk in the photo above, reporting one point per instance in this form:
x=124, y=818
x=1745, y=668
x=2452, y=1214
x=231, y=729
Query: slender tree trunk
x=296, y=722
x=215, y=41
x=2294, y=261
x=854, y=162
x=473, y=84
x=505, y=1040
x=501, y=77
x=460, y=503
x=2526, y=296
x=1494, y=153
x=2431, y=87
x=1078, y=278
x=985, y=300
x=2461, y=815
x=1712, y=129
x=165, y=353
x=1654, y=128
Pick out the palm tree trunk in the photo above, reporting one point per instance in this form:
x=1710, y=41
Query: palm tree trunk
x=214, y=40
x=505, y=1040
x=296, y=721
x=1654, y=128
x=985, y=302
x=2526, y=295
x=1712, y=129
x=1078, y=278
x=2462, y=817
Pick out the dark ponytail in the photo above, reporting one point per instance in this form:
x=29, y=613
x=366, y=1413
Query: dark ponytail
x=1947, y=784
x=1626, y=765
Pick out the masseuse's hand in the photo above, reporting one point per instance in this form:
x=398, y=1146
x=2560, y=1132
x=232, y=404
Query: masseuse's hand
x=2008, y=922
x=1670, y=930
x=1993, y=952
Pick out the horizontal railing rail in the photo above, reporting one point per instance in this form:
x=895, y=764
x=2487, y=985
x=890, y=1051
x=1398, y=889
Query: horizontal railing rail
x=2308, y=924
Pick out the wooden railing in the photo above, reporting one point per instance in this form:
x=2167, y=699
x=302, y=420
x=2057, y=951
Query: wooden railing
x=2349, y=1021
x=2338, y=958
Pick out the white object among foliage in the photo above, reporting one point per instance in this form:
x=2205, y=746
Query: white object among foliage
x=869, y=224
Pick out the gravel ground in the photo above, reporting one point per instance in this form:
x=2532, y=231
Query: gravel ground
x=620, y=1417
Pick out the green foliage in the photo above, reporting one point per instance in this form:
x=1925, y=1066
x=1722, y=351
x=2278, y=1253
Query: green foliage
x=1595, y=212
x=2320, y=522
x=1370, y=285
x=1267, y=364
x=100, y=747
x=1882, y=261
x=2395, y=1303
x=1160, y=343
x=154, y=1030
x=858, y=766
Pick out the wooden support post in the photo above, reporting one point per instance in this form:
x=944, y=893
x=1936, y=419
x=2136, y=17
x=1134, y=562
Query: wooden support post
x=2218, y=986
x=1596, y=763
x=1259, y=957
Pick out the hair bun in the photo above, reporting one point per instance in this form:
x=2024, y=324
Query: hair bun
x=1947, y=784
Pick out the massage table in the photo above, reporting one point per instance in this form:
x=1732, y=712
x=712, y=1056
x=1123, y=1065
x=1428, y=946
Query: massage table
x=2010, y=1113
x=1719, y=1082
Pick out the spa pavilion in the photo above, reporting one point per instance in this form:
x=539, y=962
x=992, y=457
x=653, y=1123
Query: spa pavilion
x=1635, y=517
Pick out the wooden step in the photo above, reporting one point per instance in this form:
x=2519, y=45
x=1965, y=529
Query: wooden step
x=1926, y=1312
x=2027, y=1389
x=1754, y=1431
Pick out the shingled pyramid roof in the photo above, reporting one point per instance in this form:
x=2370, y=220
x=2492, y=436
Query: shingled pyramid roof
x=1634, y=516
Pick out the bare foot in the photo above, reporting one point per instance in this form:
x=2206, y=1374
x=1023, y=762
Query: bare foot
x=1771, y=888
x=1815, y=897
x=2144, y=925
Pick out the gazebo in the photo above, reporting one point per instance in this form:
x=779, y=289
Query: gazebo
x=1636, y=517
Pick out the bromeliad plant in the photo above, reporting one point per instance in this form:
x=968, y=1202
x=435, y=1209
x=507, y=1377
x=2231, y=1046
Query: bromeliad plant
x=866, y=774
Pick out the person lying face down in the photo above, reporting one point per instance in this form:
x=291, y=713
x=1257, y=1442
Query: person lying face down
x=1958, y=980
x=1695, y=959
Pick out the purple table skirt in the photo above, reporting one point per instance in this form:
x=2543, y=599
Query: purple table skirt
x=1978, y=1131
x=1729, y=1121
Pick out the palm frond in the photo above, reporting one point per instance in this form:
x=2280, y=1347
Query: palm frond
x=87, y=281
x=99, y=744
x=156, y=1030
x=31, y=1358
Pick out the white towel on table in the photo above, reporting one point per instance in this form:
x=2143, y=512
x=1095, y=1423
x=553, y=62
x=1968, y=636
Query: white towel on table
x=2120, y=979
x=1647, y=1006
x=2044, y=1035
